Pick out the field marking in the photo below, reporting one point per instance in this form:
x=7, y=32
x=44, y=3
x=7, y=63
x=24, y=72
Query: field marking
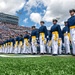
x=25, y=56
x=21, y=56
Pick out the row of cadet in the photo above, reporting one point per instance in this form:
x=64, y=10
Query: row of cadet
x=43, y=41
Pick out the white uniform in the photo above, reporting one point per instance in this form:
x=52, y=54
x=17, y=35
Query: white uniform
x=60, y=46
x=15, y=47
x=34, y=44
x=26, y=47
x=54, y=43
x=20, y=47
x=42, y=43
x=72, y=33
x=0, y=48
x=11, y=47
x=49, y=44
x=67, y=43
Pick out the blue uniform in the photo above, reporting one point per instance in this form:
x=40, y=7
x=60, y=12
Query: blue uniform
x=71, y=25
x=43, y=29
x=28, y=37
x=56, y=42
x=65, y=29
x=21, y=39
x=56, y=28
x=34, y=39
x=50, y=35
x=12, y=40
x=71, y=21
x=17, y=39
x=34, y=33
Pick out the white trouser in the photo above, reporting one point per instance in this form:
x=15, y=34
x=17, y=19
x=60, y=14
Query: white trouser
x=49, y=49
x=67, y=44
x=34, y=47
x=11, y=49
x=19, y=49
x=54, y=45
x=3, y=49
x=26, y=49
x=6, y=49
x=72, y=33
x=60, y=47
x=0, y=50
x=15, y=50
x=42, y=46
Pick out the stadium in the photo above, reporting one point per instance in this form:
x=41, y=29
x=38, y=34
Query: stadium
x=27, y=47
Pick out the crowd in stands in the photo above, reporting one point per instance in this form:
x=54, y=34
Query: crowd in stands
x=7, y=30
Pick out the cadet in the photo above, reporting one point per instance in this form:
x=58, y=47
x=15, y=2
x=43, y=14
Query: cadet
x=12, y=42
x=34, y=38
x=43, y=33
x=0, y=46
x=27, y=46
x=8, y=45
x=16, y=45
x=21, y=41
x=65, y=33
x=71, y=25
x=56, y=37
x=4, y=47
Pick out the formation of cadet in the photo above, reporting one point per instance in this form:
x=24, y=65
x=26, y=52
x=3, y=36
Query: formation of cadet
x=55, y=41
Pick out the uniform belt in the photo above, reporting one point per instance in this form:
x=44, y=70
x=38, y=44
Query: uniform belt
x=72, y=27
x=0, y=46
x=11, y=44
x=55, y=32
x=20, y=43
x=65, y=34
x=33, y=37
x=26, y=41
x=43, y=37
x=56, y=35
x=25, y=38
x=42, y=34
x=16, y=44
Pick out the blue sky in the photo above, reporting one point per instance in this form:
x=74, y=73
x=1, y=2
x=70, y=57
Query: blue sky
x=22, y=14
x=33, y=11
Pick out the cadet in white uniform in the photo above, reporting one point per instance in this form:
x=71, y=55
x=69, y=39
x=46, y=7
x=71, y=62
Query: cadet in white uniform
x=71, y=25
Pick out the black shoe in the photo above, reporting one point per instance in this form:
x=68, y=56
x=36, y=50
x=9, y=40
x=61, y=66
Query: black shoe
x=54, y=54
x=73, y=55
x=68, y=53
x=42, y=54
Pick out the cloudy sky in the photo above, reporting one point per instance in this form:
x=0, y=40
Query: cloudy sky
x=31, y=12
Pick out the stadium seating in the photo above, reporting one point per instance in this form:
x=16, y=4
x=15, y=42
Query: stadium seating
x=6, y=30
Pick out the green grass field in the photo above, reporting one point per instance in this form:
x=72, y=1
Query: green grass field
x=45, y=65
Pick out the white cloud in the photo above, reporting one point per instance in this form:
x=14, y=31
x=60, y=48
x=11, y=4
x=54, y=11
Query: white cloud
x=30, y=4
x=35, y=17
x=58, y=9
x=25, y=20
x=11, y=6
x=54, y=8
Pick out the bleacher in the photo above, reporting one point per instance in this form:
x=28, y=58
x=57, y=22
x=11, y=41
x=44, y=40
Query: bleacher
x=6, y=30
